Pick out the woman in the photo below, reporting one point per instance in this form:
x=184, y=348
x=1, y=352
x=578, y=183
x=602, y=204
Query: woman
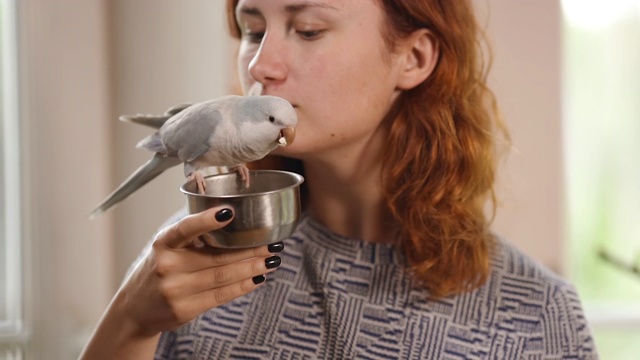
x=393, y=257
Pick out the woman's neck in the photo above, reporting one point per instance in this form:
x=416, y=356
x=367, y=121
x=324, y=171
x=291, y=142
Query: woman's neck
x=345, y=195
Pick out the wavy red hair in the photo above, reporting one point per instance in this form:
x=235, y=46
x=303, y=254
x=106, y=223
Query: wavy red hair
x=440, y=156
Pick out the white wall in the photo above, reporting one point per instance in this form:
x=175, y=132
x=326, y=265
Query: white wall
x=84, y=63
x=165, y=52
x=526, y=36
x=65, y=108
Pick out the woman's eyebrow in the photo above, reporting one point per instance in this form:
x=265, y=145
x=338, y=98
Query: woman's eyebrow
x=294, y=8
x=290, y=8
x=249, y=11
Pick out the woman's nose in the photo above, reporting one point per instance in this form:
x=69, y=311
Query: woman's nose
x=268, y=66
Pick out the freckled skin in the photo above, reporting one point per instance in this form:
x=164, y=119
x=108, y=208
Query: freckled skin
x=327, y=78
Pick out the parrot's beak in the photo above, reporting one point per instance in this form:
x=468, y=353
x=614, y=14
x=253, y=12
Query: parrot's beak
x=287, y=135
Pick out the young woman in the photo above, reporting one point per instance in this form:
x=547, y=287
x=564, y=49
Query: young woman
x=393, y=258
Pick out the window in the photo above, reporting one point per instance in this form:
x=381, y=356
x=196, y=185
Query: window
x=12, y=335
x=602, y=130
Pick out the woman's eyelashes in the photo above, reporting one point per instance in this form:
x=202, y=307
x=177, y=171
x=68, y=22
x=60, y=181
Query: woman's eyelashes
x=252, y=33
x=254, y=37
x=303, y=32
x=310, y=34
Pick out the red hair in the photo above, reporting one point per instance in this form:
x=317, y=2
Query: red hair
x=440, y=155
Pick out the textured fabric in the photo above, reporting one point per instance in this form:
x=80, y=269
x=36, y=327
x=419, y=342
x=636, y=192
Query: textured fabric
x=337, y=298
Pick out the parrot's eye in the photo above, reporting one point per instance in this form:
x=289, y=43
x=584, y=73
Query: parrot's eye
x=272, y=119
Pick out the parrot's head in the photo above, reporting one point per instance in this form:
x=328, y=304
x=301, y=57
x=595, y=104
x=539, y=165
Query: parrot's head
x=268, y=122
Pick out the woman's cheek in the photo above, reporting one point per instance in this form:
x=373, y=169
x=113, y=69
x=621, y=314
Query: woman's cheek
x=307, y=140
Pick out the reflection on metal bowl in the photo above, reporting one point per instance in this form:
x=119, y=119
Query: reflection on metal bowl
x=264, y=213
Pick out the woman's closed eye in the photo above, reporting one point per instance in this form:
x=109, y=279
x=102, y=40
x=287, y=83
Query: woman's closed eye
x=257, y=36
x=310, y=34
x=308, y=30
x=254, y=37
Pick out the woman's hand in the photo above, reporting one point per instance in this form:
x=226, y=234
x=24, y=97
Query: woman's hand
x=177, y=280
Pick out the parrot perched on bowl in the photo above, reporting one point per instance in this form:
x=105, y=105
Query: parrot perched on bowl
x=226, y=131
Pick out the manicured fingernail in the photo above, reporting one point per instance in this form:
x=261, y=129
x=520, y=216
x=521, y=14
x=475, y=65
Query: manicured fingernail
x=272, y=262
x=259, y=279
x=276, y=248
x=224, y=215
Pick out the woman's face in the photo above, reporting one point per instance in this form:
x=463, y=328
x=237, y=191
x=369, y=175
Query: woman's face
x=326, y=57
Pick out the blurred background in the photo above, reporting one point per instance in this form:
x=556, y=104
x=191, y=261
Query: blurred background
x=566, y=74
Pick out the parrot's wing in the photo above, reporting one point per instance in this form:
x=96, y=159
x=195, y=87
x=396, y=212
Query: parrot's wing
x=154, y=143
x=191, y=136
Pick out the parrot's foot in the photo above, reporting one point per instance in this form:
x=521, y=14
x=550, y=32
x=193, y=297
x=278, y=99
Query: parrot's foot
x=199, y=179
x=243, y=171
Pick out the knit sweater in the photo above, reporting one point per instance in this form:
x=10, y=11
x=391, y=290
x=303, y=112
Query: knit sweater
x=339, y=298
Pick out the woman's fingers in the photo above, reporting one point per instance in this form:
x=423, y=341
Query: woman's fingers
x=222, y=276
x=179, y=280
x=208, y=288
x=182, y=233
x=190, y=259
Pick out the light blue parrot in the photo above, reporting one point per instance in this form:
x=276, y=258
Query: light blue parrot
x=226, y=131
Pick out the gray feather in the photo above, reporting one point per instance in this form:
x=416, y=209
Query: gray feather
x=153, y=143
x=154, y=121
x=147, y=172
x=193, y=137
x=176, y=109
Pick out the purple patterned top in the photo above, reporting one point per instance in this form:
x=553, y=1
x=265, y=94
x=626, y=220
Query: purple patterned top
x=339, y=298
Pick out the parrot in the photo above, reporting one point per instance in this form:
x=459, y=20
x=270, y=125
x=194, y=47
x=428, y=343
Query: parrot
x=226, y=131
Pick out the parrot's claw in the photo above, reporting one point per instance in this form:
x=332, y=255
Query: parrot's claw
x=199, y=179
x=243, y=171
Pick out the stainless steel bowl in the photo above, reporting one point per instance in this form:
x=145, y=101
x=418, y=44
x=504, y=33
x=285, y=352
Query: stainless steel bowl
x=265, y=213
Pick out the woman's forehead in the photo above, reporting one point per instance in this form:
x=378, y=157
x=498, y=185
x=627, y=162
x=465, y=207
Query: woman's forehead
x=293, y=6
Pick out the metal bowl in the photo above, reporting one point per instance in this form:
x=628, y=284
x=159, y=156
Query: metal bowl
x=265, y=213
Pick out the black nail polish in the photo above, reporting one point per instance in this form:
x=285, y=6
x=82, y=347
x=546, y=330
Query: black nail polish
x=224, y=215
x=272, y=262
x=259, y=279
x=276, y=248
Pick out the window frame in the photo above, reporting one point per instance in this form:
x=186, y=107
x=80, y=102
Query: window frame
x=13, y=333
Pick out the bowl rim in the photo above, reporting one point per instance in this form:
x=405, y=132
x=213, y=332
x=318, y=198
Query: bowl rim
x=299, y=180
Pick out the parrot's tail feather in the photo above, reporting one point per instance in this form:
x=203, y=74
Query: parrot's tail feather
x=152, y=121
x=147, y=172
x=176, y=109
